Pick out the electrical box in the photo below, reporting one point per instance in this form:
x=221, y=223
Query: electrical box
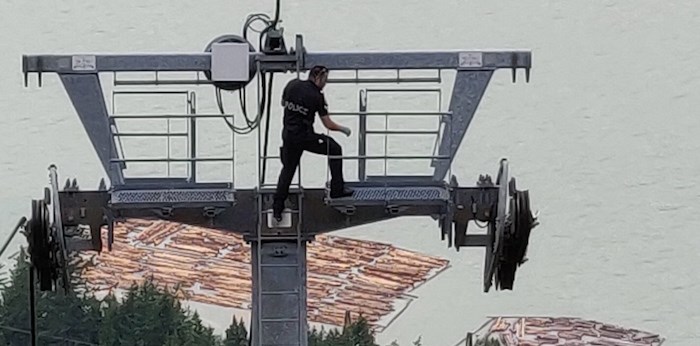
x=230, y=62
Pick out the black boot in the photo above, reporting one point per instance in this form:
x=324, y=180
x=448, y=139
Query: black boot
x=342, y=192
x=277, y=209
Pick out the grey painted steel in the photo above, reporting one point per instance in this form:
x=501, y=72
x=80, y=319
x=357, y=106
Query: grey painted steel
x=89, y=208
x=163, y=82
x=383, y=80
x=402, y=132
x=279, y=255
x=169, y=159
x=171, y=116
x=362, y=136
x=173, y=196
x=400, y=193
x=20, y=224
x=85, y=93
x=468, y=90
x=192, y=109
x=393, y=179
x=57, y=230
x=287, y=63
x=416, y=60
x=382, y=114
x=150, y=134
x=118, y=62
x=475, y=240
x=279, y=279
x=391, y=157
x=445, y=117
x=396, y=181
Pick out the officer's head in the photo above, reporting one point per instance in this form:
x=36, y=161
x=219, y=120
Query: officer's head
x=319, y=75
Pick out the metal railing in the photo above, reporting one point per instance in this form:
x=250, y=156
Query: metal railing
x=363, y=114
x=362, y=157
x=189, y=135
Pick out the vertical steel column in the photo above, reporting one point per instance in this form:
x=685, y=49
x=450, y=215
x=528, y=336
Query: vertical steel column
x=192, y=102
x=278, y=267
x=362, y=138
x=279, y=294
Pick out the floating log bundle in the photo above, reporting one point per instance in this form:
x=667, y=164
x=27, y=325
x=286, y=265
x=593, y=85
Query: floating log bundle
x=531, y=331
x=212, y=266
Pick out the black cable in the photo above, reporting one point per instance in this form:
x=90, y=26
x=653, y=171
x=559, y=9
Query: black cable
x=249, y=25
x=277, y=14
x=238, y=130
x=252, y=19
x=251, y=124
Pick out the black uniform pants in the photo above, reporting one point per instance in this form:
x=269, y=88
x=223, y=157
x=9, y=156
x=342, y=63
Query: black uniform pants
x=291, y=155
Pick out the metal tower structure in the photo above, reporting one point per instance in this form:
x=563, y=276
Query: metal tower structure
x=278, y=258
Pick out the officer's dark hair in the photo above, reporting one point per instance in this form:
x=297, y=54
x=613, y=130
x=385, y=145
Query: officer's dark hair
x=317, y=71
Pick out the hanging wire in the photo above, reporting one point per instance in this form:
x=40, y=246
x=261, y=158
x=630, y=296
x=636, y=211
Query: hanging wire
x=250, y=124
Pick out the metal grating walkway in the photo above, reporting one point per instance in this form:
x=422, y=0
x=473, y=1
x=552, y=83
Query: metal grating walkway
x=173, y=196
x=422, y=193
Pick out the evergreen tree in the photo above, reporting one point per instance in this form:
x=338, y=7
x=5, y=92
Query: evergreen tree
x=317, y=337
x=488, y=341
x=360, y=333
x=60, y=316
x=353, y=333
x=236, y=334
x=149, y=316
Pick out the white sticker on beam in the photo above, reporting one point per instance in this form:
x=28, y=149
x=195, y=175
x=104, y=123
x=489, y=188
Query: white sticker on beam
x=471, y=59
x=84, y=63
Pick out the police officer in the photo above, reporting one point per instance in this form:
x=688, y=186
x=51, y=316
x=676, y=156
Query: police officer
x=302, y=100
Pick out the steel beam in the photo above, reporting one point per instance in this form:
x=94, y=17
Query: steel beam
x=85, y=93
x=468, y=60
x=91, y=63
x=92, y=207
x=468, y=90
x=279, y=293
x=475, y=68
x=457, y=60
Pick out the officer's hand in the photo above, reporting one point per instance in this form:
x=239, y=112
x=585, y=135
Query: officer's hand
x=345, y=130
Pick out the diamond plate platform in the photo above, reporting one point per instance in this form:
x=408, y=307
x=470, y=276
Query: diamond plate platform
x=400, y=193
x=173, y=196
x=404, y=194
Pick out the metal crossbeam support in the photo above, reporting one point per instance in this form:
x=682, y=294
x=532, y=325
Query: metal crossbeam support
x=460, y=60
x=85, y=93
x=279, y=298
x=468, y=90
x=475, y=68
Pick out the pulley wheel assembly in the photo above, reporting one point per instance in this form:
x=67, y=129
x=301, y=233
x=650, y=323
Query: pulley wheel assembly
x=509, y=233
x=38, y=236
x=45, y=248
x=515, y=238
